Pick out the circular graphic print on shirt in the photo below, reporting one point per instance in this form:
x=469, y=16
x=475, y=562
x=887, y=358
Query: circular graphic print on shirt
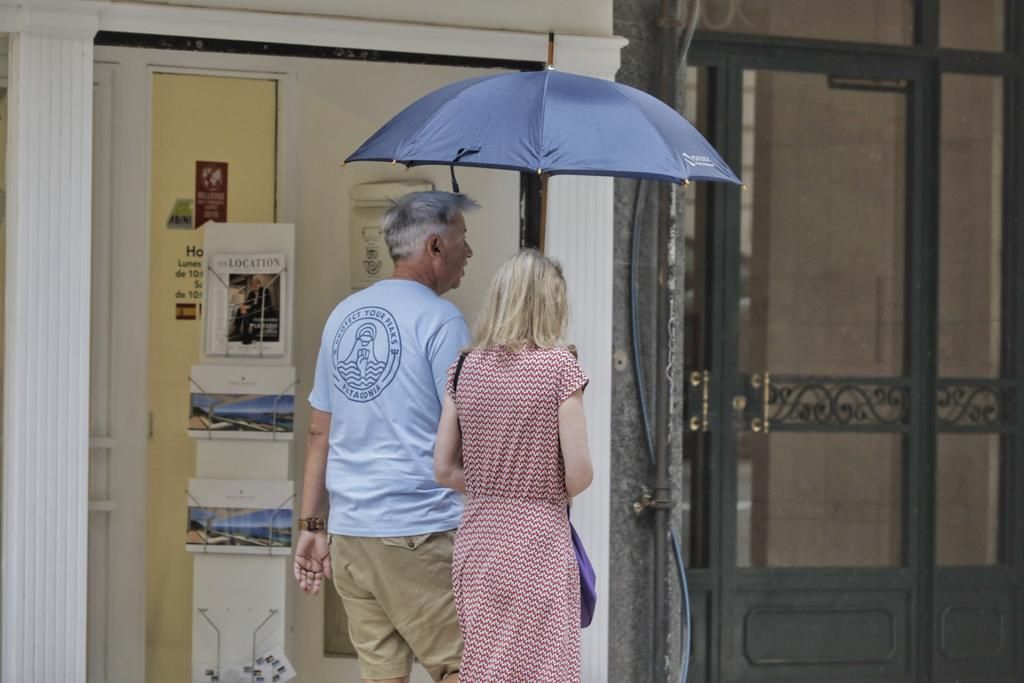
x=367, y=351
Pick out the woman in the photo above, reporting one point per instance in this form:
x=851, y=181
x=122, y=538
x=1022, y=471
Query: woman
x=512, y=436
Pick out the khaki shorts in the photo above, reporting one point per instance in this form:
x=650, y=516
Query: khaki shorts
x=397, y=594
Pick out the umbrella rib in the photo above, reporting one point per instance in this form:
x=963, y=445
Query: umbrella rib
x=419, y=130
x=661, y=135
x=437, y=112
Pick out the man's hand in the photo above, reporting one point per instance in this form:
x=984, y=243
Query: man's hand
x=312, y=560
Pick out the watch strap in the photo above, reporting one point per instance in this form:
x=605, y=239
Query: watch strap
x=312, y=524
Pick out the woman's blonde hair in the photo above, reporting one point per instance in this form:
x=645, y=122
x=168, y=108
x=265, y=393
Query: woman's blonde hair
x=526, y=304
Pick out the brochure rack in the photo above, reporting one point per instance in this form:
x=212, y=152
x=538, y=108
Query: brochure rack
x=241, y=415
x=213, y=672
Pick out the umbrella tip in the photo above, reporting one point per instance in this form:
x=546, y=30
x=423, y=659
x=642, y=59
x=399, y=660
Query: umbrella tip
x=539, y=171
x=744, y=186
x=686, y=182
x=394, y=161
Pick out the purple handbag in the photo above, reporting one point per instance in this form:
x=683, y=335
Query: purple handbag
x=588, y=580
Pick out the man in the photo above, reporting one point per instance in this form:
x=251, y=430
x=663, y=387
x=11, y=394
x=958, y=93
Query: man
x=253, y=315
x=377, y=395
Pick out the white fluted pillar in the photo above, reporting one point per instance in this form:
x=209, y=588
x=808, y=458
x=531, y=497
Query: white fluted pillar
x=579, y=226
x=579, y=235
x=46, y=362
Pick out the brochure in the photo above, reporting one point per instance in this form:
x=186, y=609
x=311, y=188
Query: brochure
x=239, y=516
x=242, y=402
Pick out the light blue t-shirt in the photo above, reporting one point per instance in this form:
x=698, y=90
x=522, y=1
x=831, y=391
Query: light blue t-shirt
x=381, y=374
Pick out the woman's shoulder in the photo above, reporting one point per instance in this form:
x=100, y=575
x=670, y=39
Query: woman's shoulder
x=551, y=354
x=566, y=351
x=560, y=355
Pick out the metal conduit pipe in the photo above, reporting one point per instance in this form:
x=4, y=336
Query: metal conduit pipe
x=669, y=29
x=672, y=53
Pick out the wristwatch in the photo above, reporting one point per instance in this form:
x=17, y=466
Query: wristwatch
x=312, y=524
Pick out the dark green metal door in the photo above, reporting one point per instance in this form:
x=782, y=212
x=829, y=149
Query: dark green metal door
x=854, y=405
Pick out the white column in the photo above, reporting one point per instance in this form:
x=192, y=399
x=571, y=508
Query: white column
x=579, y=235
x=46, y=362
x=580, y=221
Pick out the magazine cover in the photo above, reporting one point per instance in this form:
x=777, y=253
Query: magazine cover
x=245, y=299
x=241, y=402
x=239, y=516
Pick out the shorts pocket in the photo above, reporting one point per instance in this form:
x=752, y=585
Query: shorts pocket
x=407, y=542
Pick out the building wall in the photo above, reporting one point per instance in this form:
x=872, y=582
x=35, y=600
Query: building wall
x=326, y=108
x=584, y=17
x=632, y=632
x=122, y=190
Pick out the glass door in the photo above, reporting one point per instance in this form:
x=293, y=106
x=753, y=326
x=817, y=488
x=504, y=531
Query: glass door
x=818, y=387
x=852, y=354
x=805, y=371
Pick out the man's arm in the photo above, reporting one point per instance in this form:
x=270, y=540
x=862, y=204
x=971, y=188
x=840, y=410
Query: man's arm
x=312, y=554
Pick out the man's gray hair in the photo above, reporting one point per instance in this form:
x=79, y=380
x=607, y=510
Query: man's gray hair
x=415, y=216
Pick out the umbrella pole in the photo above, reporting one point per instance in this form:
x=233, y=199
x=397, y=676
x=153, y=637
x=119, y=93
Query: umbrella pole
x=544, y=176
x=543, y=211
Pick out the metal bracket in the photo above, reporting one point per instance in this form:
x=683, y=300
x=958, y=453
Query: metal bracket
x=762, y=384
x=648, y=502
x=700, y=382
x=644, y=502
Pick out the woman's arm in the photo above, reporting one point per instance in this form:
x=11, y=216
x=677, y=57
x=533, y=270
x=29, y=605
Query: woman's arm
x=448, y=448
x=572, y=433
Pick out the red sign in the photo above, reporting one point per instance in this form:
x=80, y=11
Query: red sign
x=211, y=192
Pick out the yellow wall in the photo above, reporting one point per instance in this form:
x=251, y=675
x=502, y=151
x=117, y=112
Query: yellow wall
x=194, y=118
x=3, y=214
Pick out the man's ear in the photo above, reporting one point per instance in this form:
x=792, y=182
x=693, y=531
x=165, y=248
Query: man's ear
x=434, y=245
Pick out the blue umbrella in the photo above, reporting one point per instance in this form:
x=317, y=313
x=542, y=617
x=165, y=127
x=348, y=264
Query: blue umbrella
x=547, y=122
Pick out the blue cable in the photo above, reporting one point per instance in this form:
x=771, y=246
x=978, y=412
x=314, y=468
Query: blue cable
x=684, y=667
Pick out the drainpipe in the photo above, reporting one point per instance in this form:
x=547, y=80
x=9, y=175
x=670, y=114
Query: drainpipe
x=669, y=29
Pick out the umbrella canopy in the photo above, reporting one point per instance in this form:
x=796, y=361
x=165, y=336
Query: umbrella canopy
x=548, y=122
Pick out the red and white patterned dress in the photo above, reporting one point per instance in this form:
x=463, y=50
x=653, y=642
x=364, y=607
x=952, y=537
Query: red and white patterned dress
x=514, y=573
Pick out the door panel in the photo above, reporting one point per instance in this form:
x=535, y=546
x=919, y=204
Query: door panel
x=821, y=280
x=789, y=635
x=819, y=500
x=977, y=602
x=967, y=510
x=242, y=134
x=821, y=247
x=817, y=395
